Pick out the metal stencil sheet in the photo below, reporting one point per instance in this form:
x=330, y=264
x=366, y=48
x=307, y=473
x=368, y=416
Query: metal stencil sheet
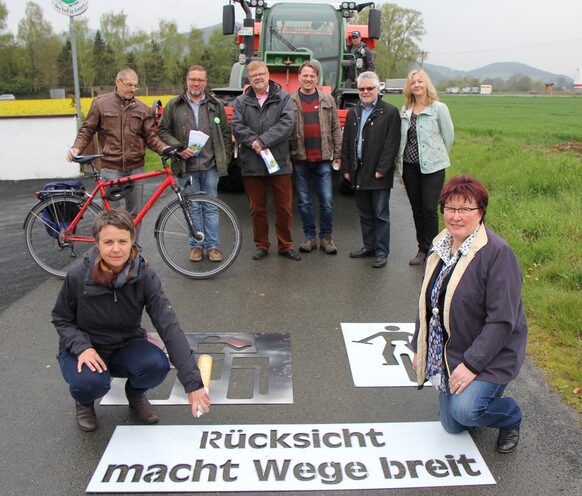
x=248, y=368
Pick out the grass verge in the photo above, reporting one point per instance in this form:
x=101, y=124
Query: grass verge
x=509, y=144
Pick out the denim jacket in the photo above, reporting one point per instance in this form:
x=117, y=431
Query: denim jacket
x=436, y=135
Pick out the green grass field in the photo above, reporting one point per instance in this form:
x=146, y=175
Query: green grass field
x=536, y=205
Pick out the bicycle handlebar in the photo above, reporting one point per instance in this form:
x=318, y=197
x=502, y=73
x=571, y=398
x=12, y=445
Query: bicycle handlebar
x=172, y=151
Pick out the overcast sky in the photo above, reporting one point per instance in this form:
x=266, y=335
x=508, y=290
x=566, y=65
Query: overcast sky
x=461, y=34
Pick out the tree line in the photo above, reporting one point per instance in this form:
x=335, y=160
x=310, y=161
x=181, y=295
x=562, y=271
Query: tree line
x=37, y=58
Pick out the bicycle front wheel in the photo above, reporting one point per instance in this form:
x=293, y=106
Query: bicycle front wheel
x=43, y=230
x=211, y=216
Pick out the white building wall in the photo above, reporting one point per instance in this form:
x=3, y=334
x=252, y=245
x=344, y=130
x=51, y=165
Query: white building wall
x=35, y=147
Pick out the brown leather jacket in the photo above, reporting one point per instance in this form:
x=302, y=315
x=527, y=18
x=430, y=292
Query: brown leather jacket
x=124, y=128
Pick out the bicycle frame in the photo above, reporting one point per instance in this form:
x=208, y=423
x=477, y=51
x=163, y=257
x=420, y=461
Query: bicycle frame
x=69, y=233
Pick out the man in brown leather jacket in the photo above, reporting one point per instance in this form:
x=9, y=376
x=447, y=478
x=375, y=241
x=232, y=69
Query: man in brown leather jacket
x=124, y=127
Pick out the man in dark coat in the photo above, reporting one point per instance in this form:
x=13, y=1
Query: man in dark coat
x=262, y=121
x=369, y=147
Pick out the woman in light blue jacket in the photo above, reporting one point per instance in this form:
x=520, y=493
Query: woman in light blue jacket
x=427, y=137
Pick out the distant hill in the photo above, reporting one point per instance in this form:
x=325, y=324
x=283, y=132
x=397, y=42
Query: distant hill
x=207, y=31
x=502, y=70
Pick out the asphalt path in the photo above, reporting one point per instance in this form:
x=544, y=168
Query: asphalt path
x=44, y=453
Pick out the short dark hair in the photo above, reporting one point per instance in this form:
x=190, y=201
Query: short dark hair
x=310, y=63
x=117, y=217
x=468, y=188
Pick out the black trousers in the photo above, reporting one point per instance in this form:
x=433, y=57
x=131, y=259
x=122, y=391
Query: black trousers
x=423, y=192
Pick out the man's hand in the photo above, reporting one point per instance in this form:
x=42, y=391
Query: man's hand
x=378, y=175
x=257, y=146
x=186, y=153
x=336, y=164
x=347, y=176
x=199, y=398
x=92, y=360
x=72, y=153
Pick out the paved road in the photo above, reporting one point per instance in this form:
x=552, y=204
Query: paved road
x=44, y=453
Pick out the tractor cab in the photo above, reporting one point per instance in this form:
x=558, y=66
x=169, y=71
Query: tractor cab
x=284, y=35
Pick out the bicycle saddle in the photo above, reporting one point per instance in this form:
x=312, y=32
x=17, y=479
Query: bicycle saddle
x=85, y=159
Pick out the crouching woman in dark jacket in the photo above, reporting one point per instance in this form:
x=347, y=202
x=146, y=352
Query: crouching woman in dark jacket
x=471, y=329
x=98, y=317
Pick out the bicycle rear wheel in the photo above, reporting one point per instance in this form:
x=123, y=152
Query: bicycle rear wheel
x=173, y=236
x=43, y=232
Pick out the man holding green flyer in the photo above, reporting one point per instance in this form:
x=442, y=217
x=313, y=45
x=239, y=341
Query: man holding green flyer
x=262, y=121
x=199, y=120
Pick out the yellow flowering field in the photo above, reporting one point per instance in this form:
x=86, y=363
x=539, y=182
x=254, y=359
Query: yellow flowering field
x=58, y=106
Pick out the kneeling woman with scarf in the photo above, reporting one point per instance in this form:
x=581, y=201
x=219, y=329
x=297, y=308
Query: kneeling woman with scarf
x=98, y=317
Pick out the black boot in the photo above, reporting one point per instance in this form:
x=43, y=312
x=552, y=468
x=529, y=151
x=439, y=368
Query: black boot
x=507, y=440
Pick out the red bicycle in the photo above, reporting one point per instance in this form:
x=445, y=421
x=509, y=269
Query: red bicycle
x=58, y=228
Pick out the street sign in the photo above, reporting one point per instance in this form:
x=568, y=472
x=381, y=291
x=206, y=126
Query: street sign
x=70, y=7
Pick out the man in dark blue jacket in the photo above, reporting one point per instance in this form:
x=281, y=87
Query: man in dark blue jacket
x=262, y=122
x=369, y=147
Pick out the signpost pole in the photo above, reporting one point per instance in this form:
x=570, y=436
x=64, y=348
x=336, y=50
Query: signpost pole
x=75, y=71
x=72, y=8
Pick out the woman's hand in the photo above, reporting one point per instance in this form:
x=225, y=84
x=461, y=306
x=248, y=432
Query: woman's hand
x=92, y=360
x=460, y=379
x=199, y=398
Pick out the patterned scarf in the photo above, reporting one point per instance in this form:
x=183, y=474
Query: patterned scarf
x=436, y=372
x=104, y=275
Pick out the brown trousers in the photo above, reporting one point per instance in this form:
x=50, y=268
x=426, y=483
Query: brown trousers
x=256, y=188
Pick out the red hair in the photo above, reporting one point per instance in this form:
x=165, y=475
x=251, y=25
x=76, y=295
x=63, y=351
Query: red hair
x=468, y=188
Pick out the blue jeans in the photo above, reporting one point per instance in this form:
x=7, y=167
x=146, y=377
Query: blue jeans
x=206, y=216
x=142, y=362
x=309, y=176
x=479, y=405
x=374, y=209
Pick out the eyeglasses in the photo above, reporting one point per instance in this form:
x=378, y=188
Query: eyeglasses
x=130, y=86
x=257, y=75
x=462, y=211
x=361, y=89
x=200, y=81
